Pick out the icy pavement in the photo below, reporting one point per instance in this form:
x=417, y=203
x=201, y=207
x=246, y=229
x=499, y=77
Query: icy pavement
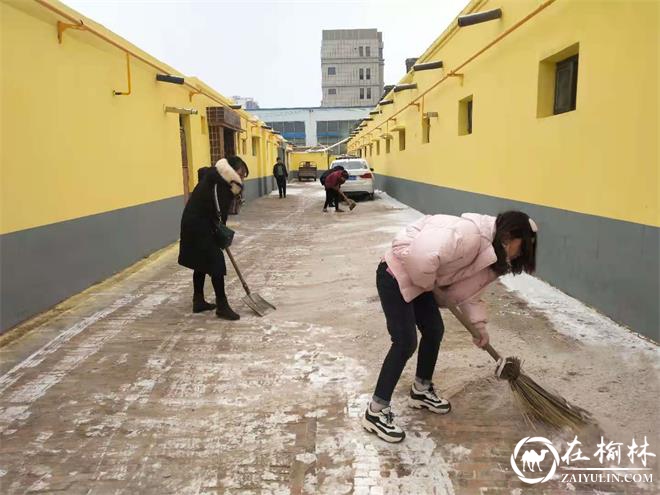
x=123, y=390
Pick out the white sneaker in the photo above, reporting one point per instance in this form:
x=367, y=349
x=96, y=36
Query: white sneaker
x=382, y=424
x=428, y=399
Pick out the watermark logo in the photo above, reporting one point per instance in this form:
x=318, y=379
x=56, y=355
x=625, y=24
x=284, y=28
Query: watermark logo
x=532, y=455
x=531, y=459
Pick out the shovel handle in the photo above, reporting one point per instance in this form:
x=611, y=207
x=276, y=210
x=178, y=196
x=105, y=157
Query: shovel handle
x=238, y=272
x=470, y=328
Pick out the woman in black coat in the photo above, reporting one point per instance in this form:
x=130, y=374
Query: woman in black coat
x=197, y=249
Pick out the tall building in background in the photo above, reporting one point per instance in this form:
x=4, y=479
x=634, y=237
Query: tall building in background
x=247, y=102
x=352, y=67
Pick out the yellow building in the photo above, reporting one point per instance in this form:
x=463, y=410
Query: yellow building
x=550, y=107
x=322, y=159
x=101, y=143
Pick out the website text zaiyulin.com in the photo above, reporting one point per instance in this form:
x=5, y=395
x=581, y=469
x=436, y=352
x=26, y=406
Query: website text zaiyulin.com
x=606, y=478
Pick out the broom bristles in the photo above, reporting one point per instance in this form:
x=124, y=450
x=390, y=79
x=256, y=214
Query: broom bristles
x=543, y=406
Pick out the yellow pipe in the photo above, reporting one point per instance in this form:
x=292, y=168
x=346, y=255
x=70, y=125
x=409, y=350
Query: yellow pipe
x=454, y=72
x=128, y=75
x=193, y=93
x=79, y=22
x=63, y=26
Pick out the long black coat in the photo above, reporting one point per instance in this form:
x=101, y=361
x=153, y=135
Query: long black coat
x=197, y=250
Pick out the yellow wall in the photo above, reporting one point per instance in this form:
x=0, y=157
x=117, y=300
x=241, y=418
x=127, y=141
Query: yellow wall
x=600, y=159
x=70, y=148
x=321, y=158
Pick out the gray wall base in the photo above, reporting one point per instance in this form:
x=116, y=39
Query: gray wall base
x=44, y=265
x=255, y=188
x=41, y=267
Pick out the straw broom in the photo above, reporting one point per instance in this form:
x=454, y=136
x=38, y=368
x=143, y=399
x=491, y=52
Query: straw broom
x=537, y=403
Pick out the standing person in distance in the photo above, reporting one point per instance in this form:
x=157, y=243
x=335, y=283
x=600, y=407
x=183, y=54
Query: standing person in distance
x=281, y=175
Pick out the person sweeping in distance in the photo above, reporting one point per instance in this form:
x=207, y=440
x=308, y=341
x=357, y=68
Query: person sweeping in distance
x=325, y=174
x=440, y=260
x=332, y=185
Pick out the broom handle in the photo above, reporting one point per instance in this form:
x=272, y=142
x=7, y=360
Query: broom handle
x=344, y=196
x=475, y=333
x=238, y=272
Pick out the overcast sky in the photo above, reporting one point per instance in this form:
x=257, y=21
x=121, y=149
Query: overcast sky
x=268, y=49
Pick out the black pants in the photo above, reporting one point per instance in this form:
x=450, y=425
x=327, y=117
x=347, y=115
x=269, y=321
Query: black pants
x=331, y=197
x=218, y=282
x=402, y=318
x=281, y=186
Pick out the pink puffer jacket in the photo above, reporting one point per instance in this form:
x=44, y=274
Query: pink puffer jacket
x=448, y=255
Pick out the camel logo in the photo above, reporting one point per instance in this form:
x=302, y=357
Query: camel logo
x=532, y=459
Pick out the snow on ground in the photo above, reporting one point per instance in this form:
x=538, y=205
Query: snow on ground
x=145, y=397
x=573, y=318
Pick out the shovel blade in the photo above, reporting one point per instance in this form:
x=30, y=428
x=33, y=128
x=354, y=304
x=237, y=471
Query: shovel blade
x=258, y=304
x=262, y=302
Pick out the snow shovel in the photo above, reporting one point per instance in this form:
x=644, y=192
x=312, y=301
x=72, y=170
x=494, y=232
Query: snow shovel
x=255, y=302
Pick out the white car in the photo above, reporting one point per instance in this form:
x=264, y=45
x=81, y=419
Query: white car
x=360, y=176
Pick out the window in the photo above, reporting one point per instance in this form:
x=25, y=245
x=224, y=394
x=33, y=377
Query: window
x=329, y=132
x=255, y=146
x=368, y=93
x=244, y=146
x=293, y=132
x=332, y=91
x=387, y=145
x=332, y=71
x=465, y=116
x=402, y=140
x=362, y=93
x=367, y=51
x=361, y=51
x=368, y=74
x=426, y=130
x=469, y=117
x=378, y=147
x=557, y=85
x=361, y=74
x=566, y=85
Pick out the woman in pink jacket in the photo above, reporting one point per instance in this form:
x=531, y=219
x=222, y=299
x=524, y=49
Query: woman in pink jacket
x=439, y=260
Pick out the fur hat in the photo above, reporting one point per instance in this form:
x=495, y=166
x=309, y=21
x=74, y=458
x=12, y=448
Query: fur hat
x=230, y=176
x=237, y=163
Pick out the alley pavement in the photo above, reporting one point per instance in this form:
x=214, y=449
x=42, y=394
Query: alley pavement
x=123, y=390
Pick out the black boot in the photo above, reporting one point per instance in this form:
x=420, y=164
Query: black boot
x=199, y=304
x=224, y=311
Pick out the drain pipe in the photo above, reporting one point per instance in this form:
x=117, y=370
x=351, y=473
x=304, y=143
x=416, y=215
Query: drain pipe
x=128, y=76
x=78, y=24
